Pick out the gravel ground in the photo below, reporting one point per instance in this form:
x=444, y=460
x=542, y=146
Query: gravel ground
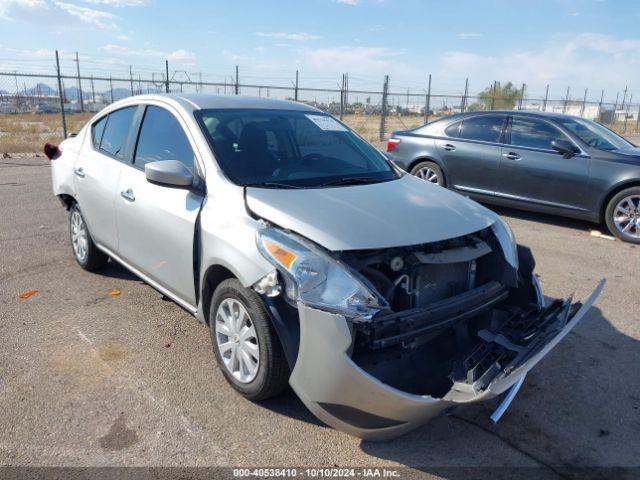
x=93, y=379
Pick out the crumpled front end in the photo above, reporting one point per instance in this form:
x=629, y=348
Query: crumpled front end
x=376, y=393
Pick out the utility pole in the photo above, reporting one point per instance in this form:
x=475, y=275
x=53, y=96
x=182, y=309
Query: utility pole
x=166, y=76
x=546, y=98
x=295, y=96
x=79, y=84
x=427, y=103
x=61, y=94
x=237, y=86
x=383, y=116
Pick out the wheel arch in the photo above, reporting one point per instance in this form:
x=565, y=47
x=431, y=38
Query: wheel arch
x=214, y=276
x=426, y=158
x=67, y=200
x=613, y=192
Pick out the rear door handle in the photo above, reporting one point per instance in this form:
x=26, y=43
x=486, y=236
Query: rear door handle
x=79, y=172
x=511, y=156
x=449, y=147
x=128, y=195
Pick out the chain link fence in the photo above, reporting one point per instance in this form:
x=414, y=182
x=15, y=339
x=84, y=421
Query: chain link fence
x=41, y=107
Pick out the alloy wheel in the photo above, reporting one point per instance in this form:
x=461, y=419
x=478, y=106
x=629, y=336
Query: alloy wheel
x=79, y=236
x=237, y=340
x=428, y=174
x=626, y=216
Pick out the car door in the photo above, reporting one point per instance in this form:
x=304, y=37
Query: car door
x=156, y=224
x=470, y=152
x=97, y=172
x=531, y=171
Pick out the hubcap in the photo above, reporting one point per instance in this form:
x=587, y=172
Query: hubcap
x=626, y=216
x=237, y=340
x=79, y=236
x=428, y=174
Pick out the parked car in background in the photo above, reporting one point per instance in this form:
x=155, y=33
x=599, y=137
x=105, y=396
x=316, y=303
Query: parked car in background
x=381, y=299
x=550, y=163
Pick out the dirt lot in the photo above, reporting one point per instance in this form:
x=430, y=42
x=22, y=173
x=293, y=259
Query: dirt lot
x=93, y=379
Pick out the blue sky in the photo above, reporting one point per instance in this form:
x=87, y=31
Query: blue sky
x=582, y=43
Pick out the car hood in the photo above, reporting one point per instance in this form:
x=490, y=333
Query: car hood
x=403, y=212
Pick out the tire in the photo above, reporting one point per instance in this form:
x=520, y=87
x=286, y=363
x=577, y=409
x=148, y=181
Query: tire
x=623, y=215
x=261, y=345
x=85, y=251
x=429, y=172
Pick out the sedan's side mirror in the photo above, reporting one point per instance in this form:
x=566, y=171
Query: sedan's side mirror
x=171, y=173
x=565, y=148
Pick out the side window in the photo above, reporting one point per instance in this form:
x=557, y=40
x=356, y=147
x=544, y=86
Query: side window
x=162, y=138
x=116, y=132
x=96, y=132
x=529, y=132
x=453, y=130
x=486, y=128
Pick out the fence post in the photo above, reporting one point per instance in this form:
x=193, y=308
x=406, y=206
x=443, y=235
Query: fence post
x=521, y=96
x=584, y=102
x=296, y=90
x=61, y=95
x=463, y=103
x=166, y=76
x=93, y=92
x=638, y=119
x=615, y=107
x=131, y=80
x=79, y=84
x=566, y=100
x=111, y=88
x=427, y=105
x=626, y=115
x=383, y=112
x=600, y=106
x=493, y=94
x=342, y=97
x=546, y=98
x=237, y=86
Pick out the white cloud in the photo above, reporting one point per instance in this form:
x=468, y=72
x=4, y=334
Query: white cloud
x=91, y=16
x=182, y=56
x=349, y=2
x=298, y=37
x=468, y=35
x=123, y=38
x=119, y=3
x=354, y=58
x=18, y=9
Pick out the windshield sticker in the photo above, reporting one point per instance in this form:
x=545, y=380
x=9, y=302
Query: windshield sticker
x=327, y=123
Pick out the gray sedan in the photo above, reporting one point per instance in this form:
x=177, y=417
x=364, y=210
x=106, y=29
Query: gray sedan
x=550, y=163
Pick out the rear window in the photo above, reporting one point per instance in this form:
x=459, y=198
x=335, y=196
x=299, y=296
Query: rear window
x=453, y=130
x=485, y=128
x=116, y=132
x=290, y=148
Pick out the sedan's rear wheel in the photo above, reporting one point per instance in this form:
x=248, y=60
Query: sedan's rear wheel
x=245, y=343
x=429, y=172
x=623, y=215
x=84, y=250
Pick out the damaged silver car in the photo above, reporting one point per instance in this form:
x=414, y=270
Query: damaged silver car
x=382, y=299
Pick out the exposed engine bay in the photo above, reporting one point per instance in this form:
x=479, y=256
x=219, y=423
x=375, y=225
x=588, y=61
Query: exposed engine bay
x=459, y=315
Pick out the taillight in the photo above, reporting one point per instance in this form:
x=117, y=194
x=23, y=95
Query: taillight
x=51, y=151
x=392, y=143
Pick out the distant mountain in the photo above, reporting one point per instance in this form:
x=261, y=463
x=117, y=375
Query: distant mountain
x=41, y=89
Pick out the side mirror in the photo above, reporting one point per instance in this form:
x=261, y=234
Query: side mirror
x=171, y=173
x=565, y=148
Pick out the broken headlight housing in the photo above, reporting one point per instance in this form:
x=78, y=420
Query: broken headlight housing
x=314, y=278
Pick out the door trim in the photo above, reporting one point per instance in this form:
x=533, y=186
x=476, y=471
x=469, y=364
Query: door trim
x=183, y=303
x=519, y=198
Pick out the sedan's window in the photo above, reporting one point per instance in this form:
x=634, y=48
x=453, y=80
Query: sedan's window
x=453, y=130
x=532, y=133
x=594, y=134
x=486, y=128
x=97, y=130
x=162, y=138
x=116, y=133
x=288, y=148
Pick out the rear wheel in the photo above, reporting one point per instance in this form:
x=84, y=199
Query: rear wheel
x=84, y=250
x=430, y=172
x=245, y=343
x=623, y=215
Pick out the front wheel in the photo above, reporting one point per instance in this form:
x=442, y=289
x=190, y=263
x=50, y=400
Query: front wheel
x=430, y=172
x=623, y=215
x=245, y=343
x=84, y=250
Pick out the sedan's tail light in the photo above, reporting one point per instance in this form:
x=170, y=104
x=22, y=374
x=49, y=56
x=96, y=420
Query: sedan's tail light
x=51, y=151
x=392, y=143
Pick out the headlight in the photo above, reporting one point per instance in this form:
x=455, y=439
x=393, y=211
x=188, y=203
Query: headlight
x=507, y=240
x=314, y=278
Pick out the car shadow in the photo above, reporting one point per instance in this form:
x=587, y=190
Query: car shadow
x=577, y=410
x=114, y=270
x=289, y=405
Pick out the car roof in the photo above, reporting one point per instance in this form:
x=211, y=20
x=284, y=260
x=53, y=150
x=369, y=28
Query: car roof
x=201, y=101
x=528, y=113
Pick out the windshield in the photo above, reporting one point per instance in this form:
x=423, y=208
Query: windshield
x=290, y=149
x=594, y=134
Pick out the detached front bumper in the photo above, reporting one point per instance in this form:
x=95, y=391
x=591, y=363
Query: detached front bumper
x=344, y=396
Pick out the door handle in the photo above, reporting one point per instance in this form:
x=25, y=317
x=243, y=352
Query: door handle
x=511, y=156
x=79, y=172
x=128, y=195
x=448, y=147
